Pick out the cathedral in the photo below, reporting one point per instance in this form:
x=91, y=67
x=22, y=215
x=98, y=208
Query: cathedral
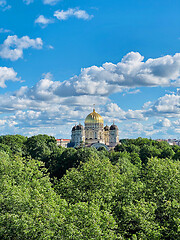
x=94, y=133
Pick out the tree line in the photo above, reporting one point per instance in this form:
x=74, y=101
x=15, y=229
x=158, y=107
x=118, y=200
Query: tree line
x=50, y=192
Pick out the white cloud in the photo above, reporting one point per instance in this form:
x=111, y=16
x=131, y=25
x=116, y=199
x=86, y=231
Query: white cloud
x=177, y=122
x=131, y=92
x=133, y=72
x=163, y=123
x=2, y=122
x=42, y=21
x=28, y=1
x=50, y=47
x=2, y=30
x=168, y=105
x=72, y=12
x=49, y=104
x=13, y=47
x=50, y=2
x=4, y=5
x=40, y=108
x=7, y=74
x=112, y=112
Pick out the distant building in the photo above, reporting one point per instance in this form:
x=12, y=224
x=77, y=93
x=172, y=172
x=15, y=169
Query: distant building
x=63, y=142
x=94, y=133
x=170, y=141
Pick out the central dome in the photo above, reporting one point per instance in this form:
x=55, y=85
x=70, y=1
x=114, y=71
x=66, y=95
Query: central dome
x=94, y=117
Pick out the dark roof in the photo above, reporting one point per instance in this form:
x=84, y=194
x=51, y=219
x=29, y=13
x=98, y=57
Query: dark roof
x=74, y=128
x=113, y=127
x=79, y=127
x=106, y=128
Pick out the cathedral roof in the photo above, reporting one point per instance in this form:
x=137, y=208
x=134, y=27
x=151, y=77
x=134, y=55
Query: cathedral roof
x=79, y=127
x=74, y=128
x=106, y=128
x=113, y=127
x=94, y=117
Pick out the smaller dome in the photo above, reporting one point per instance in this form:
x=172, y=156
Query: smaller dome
x=106, y=128
x=79, y=127
x=113, y=127
x=74, y=128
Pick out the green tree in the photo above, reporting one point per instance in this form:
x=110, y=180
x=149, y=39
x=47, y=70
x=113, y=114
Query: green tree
x=62, y=160
x=15, y=143
x=40, y=146
x=88, y=221
x=148, y=151
x=167, y=152
x=162, y=179
x=177, y=155
x=94, y=181
x=30, y=209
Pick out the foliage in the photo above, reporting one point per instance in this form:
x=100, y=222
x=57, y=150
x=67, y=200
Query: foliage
x=130, y=193
x=29, y=206
x=15, y=144
x=30, y=209
x=40, y=146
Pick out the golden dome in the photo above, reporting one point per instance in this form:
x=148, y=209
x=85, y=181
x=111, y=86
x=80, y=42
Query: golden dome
x=94, y=117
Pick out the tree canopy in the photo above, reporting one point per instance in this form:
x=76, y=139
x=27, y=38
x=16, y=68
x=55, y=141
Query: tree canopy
x=50, y=192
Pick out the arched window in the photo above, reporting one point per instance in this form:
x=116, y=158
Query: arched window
x=91, y=135
x=95, y=135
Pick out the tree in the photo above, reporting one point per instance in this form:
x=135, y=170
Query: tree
x=177, y=155
x=167, y=152
x=93, y=181
x=15, y=143
x=148, y=151
x=88, y=221
x=40, y=146
x=29, y=207
x=62, y=160
x=162, y=179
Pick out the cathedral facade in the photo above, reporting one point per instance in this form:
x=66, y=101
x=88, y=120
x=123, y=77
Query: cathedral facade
x=94, y=133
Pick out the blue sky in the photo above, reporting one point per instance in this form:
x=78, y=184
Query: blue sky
x=58, y=58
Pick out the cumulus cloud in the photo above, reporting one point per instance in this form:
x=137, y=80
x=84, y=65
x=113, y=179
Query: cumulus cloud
x=7, y=74
x=43, y=105
x=168, y=105
x=43, y=21
x=112, y=112
x=12, y=47
x=40, y=108
x=163, y=123
x=52, y=103
x=72, y=12
x=133, y=72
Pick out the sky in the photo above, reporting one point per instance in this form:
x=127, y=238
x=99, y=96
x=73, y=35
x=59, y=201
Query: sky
x=59, y=57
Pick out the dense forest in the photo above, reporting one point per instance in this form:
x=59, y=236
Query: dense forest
x=49, y=192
